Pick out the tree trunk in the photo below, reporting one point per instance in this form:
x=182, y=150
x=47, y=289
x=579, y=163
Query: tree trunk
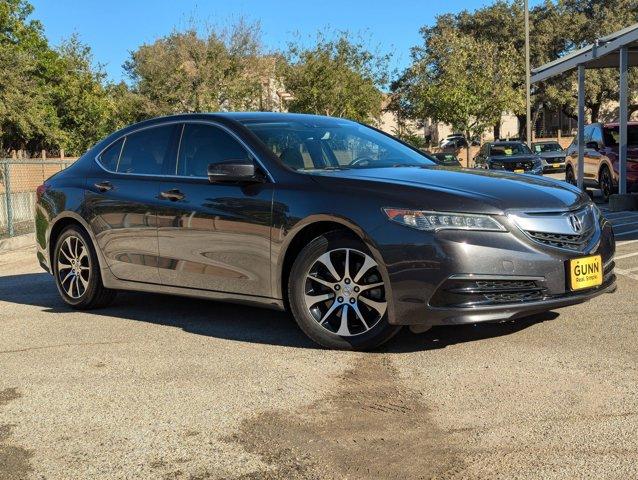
x=595, y=111
x=522, y=124
x=497, y=131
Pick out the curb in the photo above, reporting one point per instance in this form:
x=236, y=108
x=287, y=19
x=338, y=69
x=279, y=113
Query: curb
x=14, y=243
x=620, y=203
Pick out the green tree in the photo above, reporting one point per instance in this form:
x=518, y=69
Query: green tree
x=335, y=77
x=185, y=72
x=501, y=24
x=27, y=116
x=590, y=20
x=80, y=97
x=460, y=80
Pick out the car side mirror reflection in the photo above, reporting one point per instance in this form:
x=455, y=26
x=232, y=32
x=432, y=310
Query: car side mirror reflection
x=234, y=171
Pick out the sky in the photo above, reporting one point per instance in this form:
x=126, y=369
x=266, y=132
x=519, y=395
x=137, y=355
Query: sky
x=114, y=28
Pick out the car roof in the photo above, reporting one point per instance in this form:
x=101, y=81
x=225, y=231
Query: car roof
x=616, y=124
x=258, y=116
x=235, y=116
x=544, y=142
x=512, y=142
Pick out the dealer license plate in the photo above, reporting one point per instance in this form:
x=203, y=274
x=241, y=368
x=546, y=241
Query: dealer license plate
x=586, y=272
x=519, y=170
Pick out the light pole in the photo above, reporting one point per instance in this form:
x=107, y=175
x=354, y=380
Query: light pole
x=528, y=120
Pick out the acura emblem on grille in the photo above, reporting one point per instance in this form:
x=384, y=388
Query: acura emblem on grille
x=576, y=224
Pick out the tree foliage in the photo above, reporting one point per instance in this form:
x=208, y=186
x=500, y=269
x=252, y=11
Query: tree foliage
x=454, y=79
x=336, y=77
x=556, y=28
x=27, y=114
x=186, y=72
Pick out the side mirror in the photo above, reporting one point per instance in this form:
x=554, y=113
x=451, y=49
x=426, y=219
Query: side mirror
x=234, y=171
x=592, y=145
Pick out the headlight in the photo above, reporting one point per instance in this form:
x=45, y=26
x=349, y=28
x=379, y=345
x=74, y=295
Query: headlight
x=434, y=221
x=597, y=212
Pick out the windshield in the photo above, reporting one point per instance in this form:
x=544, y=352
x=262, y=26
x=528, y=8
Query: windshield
x=612, y=135
x=333, y=144
x=547, y=147
x=447, y=158
x=509, y=149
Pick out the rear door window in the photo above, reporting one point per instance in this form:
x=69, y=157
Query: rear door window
x=147, y=151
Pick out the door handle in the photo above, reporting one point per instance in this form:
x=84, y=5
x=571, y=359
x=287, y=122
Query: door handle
x=104, y=186
x=173, y=195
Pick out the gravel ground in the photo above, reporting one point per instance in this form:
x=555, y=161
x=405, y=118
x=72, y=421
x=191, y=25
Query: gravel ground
x=170, y=388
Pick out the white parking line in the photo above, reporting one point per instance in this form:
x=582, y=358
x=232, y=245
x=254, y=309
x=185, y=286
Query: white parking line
x=615, y=215
x=621, y=218
x=626, y=242
x=627, y=255
x=626, y=233
x=616, y=225
x=626, y=273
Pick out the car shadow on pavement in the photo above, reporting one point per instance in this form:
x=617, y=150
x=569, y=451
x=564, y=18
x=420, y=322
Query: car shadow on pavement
x=444, y=336
x=236, y=322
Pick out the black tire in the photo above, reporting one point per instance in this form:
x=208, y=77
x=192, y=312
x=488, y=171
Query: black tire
x=570, y=177
x=606, y=183
x=299, y=284
x=77, y=294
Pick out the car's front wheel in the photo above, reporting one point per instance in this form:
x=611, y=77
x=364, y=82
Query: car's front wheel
x=77, y=272
x=337, y=294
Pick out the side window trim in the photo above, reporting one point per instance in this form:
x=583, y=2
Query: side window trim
x=117, y=166
x=179, y=147
x=183, y=123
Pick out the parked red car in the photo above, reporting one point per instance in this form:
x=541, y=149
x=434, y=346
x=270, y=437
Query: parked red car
x=601, y=158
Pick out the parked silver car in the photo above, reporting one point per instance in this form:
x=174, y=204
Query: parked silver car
x=552, y=155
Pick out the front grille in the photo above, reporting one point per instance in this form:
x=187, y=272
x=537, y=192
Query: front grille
x=513, y=297
x=467, y=293
x=511, y=166
x=569, y=242
x=570, y=230
x=555, y=160
x=491, y=285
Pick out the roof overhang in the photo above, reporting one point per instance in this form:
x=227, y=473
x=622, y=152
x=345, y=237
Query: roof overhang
x=604, y=53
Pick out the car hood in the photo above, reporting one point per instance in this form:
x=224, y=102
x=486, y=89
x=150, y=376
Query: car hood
x=457, y=189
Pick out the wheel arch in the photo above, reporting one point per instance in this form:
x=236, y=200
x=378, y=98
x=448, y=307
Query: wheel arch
x=606, y=164
x=58, y=225
x=306, y=231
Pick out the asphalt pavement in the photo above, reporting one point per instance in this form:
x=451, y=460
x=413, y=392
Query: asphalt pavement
x=171, y=388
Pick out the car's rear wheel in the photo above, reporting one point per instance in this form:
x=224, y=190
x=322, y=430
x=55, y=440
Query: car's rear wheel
x=77, y=273
x=606, y=183
x=337, y=294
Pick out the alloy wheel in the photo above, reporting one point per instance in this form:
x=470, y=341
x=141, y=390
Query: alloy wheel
x=74, y=269
x=344, y=292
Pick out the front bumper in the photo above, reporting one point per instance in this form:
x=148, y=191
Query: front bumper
x=419, y=271
x=553, y=167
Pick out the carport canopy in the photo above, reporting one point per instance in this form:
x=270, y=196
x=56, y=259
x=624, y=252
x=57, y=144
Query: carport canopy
x=618, y=50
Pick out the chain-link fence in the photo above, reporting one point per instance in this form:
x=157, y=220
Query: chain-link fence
x=19, y=180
